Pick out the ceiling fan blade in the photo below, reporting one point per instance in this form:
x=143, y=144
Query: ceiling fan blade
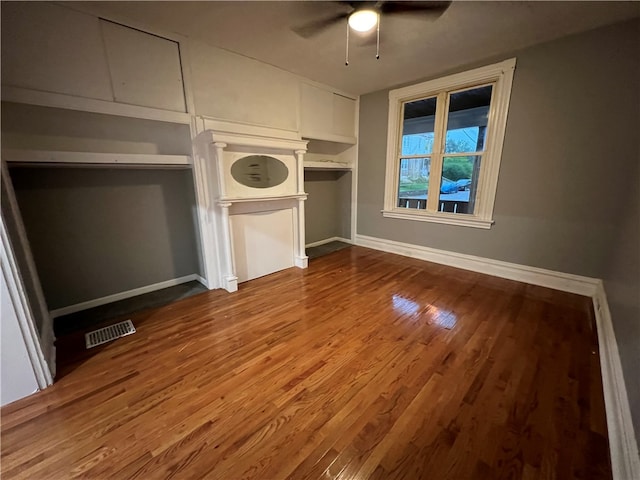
x=430, y=8
x=313, y=28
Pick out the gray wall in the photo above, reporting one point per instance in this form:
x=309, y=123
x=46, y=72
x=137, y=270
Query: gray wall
x=96, y=232
x=42, y=128
x=570, y=150
x=328, y=206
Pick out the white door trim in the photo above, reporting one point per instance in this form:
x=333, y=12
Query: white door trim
x=45, y=337
x=23, y=311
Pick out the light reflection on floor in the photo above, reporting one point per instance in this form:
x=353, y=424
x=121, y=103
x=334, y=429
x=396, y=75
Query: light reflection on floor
x=437, y=316
x=404, y=305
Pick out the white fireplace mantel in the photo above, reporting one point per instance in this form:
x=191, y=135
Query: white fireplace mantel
x=251, y=205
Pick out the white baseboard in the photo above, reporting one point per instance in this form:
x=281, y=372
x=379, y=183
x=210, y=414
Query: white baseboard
x=121, y=296
x=327, y=240
x=622, y=441
x=301, y=262
x=203, y=281
x=230, y=283
x=625, y=460
x=522, y=273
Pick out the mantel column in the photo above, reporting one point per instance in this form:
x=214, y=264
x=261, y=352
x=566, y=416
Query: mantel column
x=222, y=188
x=301, y=259
x=203, y=179
x=229, y=277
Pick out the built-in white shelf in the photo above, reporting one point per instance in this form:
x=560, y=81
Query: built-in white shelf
x=324, y=161
x=92, y=158
x=70, y=102
x=326, y=165
x=327, y=137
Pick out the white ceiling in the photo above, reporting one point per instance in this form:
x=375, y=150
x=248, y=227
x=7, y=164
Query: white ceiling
x=412, y=47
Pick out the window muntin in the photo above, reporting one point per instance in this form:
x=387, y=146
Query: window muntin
x=450, y=127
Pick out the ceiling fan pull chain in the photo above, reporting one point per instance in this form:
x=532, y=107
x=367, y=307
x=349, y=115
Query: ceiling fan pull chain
x=346, y=56
x=378, y=41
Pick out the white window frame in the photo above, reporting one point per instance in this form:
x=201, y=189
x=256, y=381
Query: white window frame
x=499, y=74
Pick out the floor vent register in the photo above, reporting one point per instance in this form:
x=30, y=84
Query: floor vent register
x=107, y=334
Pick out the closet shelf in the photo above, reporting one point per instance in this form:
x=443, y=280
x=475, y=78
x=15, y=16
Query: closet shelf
x=327, y=161
x=71, y=102
x=326, y=165
x=89, y=158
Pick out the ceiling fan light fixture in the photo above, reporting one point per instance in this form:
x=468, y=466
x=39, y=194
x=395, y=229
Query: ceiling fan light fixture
x=363, y=20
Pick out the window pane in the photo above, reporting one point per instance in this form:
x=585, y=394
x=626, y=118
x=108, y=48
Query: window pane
x=459, y=184
x=417, y=127
x=467, y=120
x=414, y=181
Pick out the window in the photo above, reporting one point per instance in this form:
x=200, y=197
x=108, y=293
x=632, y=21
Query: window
x=444, y=146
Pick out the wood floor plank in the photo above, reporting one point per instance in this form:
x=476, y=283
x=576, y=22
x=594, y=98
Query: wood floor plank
x=367, y=365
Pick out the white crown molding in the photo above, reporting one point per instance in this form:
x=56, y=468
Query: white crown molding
x=522, y=273
x=123, y=295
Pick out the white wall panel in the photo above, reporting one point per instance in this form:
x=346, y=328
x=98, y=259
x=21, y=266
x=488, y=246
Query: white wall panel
x=325, y=114
x=344, y=116
x=54, y=49
x=262, y=242
x=232, y=87
x=316, y=111
x=145, y=69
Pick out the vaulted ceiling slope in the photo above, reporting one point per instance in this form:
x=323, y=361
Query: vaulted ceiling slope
x=413, y=46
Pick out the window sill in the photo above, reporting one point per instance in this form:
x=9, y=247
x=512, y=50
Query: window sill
x=449, y=219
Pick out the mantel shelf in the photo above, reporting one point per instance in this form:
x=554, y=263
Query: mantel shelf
x=260, y=199
x=89, y=158
x=254, y=141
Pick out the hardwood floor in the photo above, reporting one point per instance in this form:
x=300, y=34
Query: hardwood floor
x=366, y=365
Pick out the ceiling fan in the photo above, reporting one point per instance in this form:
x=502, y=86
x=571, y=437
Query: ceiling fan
x=364, y=16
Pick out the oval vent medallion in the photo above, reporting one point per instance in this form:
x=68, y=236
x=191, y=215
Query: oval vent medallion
x=259, y=171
